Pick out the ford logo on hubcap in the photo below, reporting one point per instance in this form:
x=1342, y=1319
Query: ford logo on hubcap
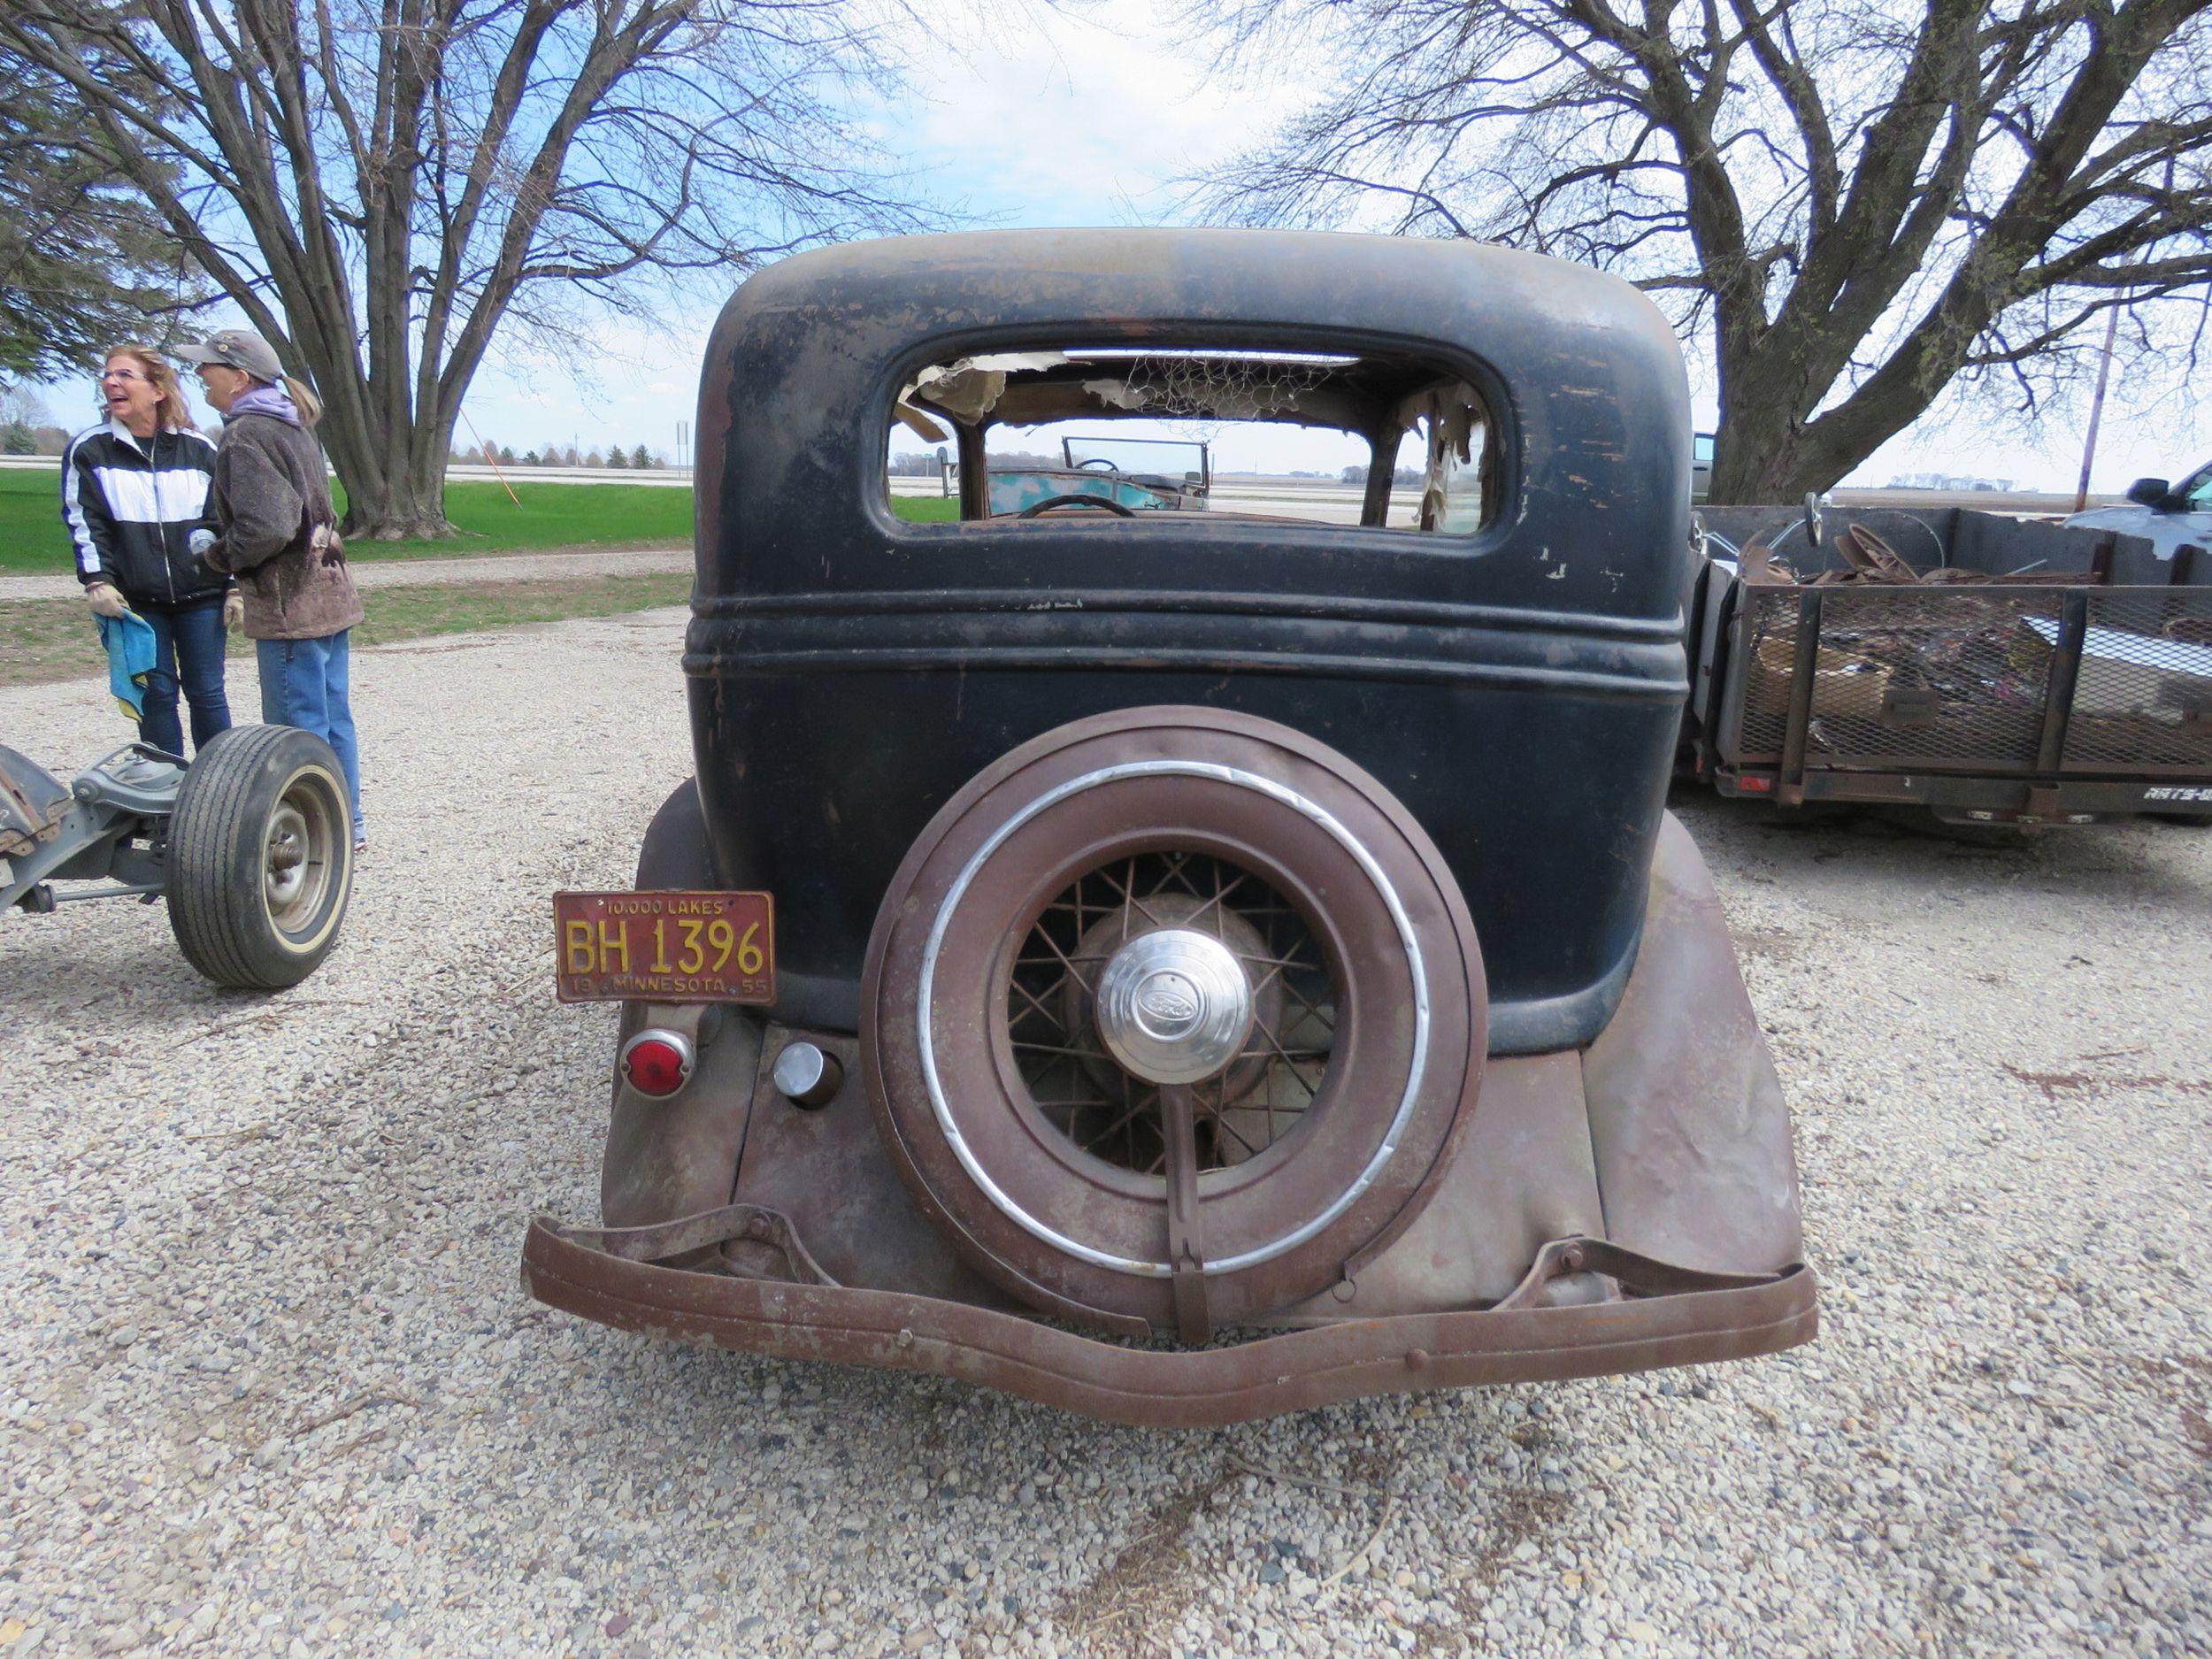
x=1168, y=1002
x=1173, y=1006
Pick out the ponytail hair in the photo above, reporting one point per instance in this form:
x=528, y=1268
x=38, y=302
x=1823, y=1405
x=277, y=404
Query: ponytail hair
x=304, y=399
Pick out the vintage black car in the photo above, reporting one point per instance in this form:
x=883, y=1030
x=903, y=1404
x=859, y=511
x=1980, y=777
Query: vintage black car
x=1202, y=964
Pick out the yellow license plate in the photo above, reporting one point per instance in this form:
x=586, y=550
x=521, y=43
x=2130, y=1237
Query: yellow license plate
x=664, y=947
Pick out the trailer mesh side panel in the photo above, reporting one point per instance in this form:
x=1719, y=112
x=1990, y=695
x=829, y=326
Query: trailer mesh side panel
x=1907, y=676
x=1766, y=700
x=2144, y=695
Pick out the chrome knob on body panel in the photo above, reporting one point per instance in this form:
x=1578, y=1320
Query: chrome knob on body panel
x=806, y=1076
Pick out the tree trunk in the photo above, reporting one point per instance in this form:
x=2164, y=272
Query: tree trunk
x=1761, y=456
x=396, y=482
x=410, y=507
x=1772, y=448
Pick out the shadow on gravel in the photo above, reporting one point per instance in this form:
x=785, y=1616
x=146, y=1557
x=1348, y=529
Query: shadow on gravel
x=42, y=978
x=2142, y=858
x=1131, y=1527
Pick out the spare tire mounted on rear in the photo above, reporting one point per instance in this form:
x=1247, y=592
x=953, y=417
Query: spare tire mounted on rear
x=1171, y=1016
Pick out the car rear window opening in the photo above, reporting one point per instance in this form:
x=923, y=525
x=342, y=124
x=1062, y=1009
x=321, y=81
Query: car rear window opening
x=1113, y=434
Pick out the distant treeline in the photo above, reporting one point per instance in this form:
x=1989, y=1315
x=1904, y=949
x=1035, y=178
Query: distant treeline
x=19, y=437
x=557, y=455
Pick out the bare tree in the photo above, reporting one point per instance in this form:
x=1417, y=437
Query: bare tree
x=1854, y=202
x=379, y=185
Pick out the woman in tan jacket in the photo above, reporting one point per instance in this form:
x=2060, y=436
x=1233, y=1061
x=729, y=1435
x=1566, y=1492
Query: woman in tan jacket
x=276, y=529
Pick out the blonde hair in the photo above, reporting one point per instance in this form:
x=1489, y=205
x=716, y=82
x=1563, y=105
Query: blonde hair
x=302, y=395
x=171, y=413
x=304, y=399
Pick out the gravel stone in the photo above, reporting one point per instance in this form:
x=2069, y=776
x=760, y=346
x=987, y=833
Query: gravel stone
x=270, y=1387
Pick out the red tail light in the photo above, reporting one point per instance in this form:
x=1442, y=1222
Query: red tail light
x=656, y=1063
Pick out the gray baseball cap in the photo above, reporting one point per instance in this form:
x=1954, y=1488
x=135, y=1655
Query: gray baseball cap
x=249, y=353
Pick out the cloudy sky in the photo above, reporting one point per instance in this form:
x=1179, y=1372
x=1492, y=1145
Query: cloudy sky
x=1067, y=120
x=1088, y=120
x=1059, y=119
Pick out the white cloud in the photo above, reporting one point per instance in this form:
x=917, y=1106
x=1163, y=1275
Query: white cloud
x=1086, y=118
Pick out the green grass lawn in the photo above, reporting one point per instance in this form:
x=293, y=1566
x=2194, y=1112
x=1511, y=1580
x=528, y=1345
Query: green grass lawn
x=43, y=639
x=550, y=515
x=33, y=540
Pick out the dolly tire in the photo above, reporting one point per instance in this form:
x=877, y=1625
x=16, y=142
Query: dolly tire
x=260, y=858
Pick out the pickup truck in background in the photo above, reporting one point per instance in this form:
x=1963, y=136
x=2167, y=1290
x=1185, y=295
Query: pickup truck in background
x=2168, y=516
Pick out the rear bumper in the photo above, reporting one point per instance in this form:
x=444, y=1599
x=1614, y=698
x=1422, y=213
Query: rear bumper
x=1659, y=1315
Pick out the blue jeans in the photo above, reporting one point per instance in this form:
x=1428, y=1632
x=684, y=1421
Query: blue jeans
x=304, y=684
x=188, y=648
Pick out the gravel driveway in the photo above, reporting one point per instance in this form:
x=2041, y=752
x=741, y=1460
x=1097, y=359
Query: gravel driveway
x=270, y=1387
x=560, y=562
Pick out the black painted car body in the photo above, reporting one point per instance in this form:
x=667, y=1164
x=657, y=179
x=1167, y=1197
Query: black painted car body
x=1018, y=786
x=1519, y=689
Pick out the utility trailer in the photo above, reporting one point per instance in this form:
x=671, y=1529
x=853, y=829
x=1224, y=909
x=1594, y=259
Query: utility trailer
x=1995, y=670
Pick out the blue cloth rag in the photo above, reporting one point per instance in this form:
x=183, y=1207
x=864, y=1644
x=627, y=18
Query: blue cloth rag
x=129, y=642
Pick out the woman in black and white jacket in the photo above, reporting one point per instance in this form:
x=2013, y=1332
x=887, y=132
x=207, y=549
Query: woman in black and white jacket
x=132, y=490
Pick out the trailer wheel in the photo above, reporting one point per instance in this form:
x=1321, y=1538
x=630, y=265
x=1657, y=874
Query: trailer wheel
x=260, y=858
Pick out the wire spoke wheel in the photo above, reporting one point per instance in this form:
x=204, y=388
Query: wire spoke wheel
x=1171, y=1014
x=1104, y=1110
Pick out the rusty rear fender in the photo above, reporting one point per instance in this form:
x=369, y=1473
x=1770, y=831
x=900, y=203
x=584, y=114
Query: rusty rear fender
x=677, y=1158
x=1688, y=1128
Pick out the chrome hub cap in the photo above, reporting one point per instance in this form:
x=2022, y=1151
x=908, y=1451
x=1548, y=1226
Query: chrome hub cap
x=1174, y=1006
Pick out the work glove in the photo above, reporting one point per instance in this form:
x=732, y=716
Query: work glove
x=104, y=600
x=234, y=611
x=200, y=540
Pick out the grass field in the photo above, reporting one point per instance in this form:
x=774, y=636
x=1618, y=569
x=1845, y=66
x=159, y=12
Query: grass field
x=43, y=639
x=33, y=540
